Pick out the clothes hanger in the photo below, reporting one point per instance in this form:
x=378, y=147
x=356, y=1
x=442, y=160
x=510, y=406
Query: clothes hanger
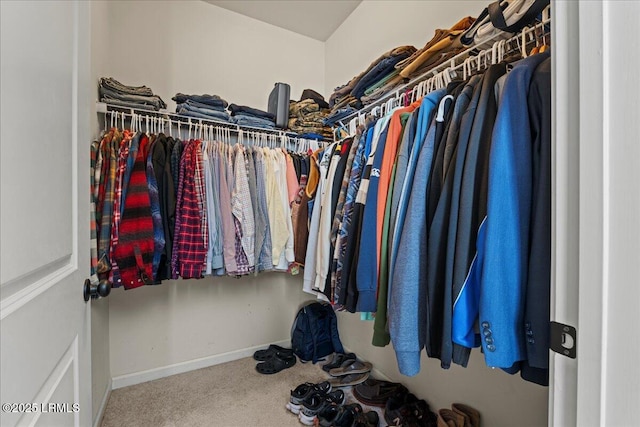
x=390, y=104
x=536, y=48
x=500, y=51
x=523, y=47
x=545, y=45
x=402, y=99
x=464, y=69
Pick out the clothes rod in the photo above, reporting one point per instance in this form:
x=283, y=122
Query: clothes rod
x=451, y=64
x=180, y=120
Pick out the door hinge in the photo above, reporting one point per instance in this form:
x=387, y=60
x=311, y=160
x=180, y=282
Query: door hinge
x=563, y=339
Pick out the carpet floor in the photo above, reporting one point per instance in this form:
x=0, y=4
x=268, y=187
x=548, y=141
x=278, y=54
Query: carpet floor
x=231, y=394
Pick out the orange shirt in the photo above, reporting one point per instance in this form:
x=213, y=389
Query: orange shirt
x=388, y=159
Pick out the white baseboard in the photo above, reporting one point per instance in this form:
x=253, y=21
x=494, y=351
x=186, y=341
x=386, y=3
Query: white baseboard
x=103, y=404
x=190, y=365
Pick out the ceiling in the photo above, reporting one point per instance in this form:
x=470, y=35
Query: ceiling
x=317, y=19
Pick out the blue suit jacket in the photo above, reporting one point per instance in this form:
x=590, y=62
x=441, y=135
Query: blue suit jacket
x=496, y=285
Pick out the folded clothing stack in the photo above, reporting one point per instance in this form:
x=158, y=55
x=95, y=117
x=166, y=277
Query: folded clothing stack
x=397, y=66
x=337, y=115
x=383, y=68
x=140, y=97
x=248, y=116
x=209, y=107
x=307, y=115
x=444, y=45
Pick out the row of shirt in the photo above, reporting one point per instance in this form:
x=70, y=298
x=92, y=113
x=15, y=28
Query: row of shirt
x=437, y=218
x=164, y=208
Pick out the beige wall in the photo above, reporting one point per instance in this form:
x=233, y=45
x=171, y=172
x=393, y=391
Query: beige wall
x=195, y=47
x=178, y=321
x=504, y=400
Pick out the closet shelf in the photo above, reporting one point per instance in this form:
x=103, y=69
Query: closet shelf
x=475, y=53
x=173, y=119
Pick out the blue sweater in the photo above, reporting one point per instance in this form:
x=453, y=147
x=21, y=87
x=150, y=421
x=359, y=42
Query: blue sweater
x=496, y=284
x=367, y=277
x=407, y=305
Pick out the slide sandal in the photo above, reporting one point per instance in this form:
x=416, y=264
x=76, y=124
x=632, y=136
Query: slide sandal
x=265, y=354
x=275, y=364
x=339, y=360
x=348, y=380
x=356, y=367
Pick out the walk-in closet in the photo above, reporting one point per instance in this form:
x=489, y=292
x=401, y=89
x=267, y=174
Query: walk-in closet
x=329, y=213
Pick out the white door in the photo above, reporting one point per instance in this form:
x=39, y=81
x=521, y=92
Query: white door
x=597, y=211
x=44, y=153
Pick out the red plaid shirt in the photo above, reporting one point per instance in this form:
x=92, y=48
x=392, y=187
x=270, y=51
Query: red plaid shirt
x=189, y=251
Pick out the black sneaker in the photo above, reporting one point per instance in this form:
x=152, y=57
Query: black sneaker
x=369, y=419
x=303, y=391
x=405, y=409
x=327, y=417
x=339, y=416
x=316, y=403
x=347, y=415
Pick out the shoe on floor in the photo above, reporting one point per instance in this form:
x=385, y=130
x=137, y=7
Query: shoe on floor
x=272, y=350
x=355, y=367
x=339, y=416
x=316, y=403
x=303, y=391
x=369, y=419
x=376, y=392
x=471, y=415
x=339, y=360
x=348, y=380
x=448, y=418
x=276, y=363
x=405, y=409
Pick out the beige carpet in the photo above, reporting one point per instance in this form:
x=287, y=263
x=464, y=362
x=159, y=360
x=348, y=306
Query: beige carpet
x=231, y=394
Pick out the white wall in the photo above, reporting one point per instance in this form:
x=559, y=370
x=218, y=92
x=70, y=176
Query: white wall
x=504, y=400
x=375, y=27
x=195, y=47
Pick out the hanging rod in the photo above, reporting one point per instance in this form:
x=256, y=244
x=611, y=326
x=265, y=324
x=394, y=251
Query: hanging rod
x=178, y=119
x=451, y=64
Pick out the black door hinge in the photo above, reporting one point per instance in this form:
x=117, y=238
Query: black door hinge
x=563, y=339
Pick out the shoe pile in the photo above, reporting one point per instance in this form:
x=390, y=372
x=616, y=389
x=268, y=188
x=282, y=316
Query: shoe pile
x=320, y=405
x=367, y=400
x=274, y=359
x=347, y=370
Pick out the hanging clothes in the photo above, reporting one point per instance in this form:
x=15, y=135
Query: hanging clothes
x=402, y=226
x=190, y=209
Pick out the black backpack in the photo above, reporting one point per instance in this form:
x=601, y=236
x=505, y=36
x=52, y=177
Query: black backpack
x=314, y=334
